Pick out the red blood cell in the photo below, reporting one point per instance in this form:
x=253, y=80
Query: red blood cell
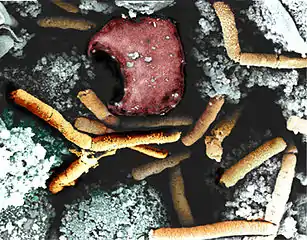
x=151, y=60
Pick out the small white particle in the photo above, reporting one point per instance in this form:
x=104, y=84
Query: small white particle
x=175, y=95
x=148, y=59
x=154, y=24
x=9, y=227
x=133, y=55
x=35, y=227
x=118, y=104
x=153, y=48
x=130, y=64
x=289, y=228
x=153, y=80
x=44, y=60
x=167, y=37
x=132, y=14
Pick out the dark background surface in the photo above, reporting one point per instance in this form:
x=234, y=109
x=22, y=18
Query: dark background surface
x=206, y=200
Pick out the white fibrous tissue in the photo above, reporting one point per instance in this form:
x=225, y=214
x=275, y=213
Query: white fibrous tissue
x=29, y=9
x=294, y=223
x=127, y=212
x=222, y=76
x=252, y=194
x=26, y=160
x=302, y=177
x=9, y=41
x=31, y=221
x=53, y=78
x=7, y=35
x=297, y=10
x=6, y=43
x=17, y=49
x=273, y=19
x=144, y=7
x=97, y=6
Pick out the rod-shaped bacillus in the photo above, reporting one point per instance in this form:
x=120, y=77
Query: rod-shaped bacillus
x=208, y=116
x=68, y=7
x=156, y=122
x=180, y=202
x=125, y=140
x=252, y=160
x=231, y=43
x=97, y=107
x=276, y=207
x=156, y=167
x=98, y=144
x=221, y=130
x=98, y=128
x=66, y=23
x=78, y=167
x=215, y=230
x=151, y=151
x=229, y=29
x=51, y=116
x=91, y=126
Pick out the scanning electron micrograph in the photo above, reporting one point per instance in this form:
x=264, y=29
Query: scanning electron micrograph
x=153, y=120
